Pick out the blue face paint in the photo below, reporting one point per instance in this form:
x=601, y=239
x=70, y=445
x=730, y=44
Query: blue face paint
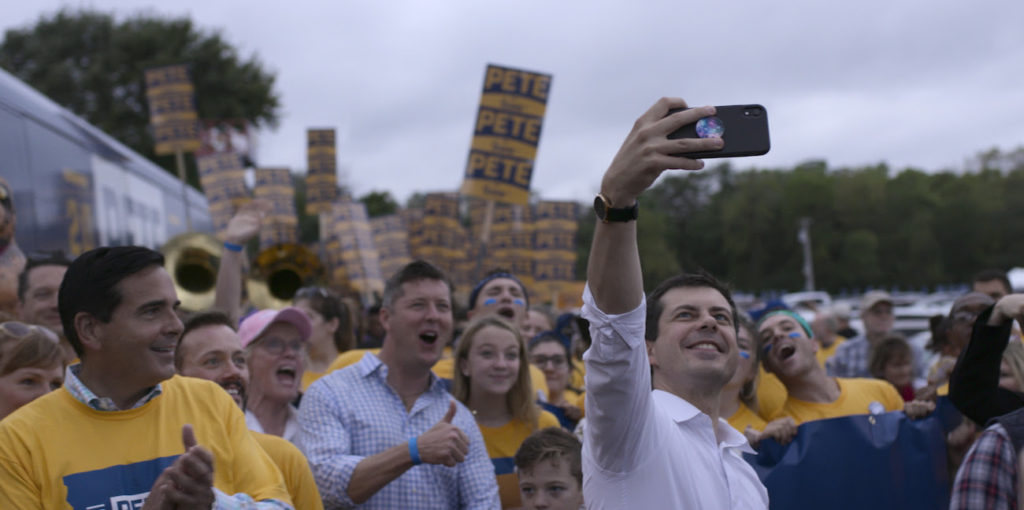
x=745, y=354
x=490, y=301
x=518, y=302
x=767, y=348
x=794, y=334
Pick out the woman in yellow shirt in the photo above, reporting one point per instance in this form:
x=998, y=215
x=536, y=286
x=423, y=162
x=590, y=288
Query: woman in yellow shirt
x=492, y=379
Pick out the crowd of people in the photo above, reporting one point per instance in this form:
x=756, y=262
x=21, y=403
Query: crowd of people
x=112, y=396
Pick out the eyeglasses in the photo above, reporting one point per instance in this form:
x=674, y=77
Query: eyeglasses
x=964, y=317
x=19, y=330
x=540, y=360
x=277, y=346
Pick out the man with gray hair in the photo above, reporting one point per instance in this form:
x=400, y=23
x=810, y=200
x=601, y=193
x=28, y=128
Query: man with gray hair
x=851, y=359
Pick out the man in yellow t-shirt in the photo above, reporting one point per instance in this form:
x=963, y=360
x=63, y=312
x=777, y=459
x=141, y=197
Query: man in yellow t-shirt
x=209, y=348
x=125, y=431
x=789, y=353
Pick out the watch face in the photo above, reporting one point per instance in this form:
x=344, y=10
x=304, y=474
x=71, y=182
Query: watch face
x=599, y=207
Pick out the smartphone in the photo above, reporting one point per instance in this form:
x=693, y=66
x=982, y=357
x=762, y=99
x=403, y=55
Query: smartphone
x=743, y=127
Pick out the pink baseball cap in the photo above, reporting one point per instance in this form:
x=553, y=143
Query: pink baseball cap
x=254, y=325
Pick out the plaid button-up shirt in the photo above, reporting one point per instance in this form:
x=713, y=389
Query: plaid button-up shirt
x=987, y=479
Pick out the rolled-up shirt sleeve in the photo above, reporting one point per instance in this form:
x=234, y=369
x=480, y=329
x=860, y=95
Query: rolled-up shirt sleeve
x=618, y=383
x=325, y=441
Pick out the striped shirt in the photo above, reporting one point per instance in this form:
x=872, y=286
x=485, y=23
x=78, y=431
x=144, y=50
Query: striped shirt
x=351, y=414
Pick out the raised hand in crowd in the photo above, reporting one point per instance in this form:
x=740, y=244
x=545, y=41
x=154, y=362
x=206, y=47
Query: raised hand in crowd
x=918, y=408
x=245, y=224
x=188, y=483
x=1007, y=309
x=444, y=443
x=782, y=430
x=242, y=227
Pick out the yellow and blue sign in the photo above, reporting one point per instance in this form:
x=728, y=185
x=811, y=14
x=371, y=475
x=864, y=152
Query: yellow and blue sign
x=280, y=225
x=506, y=135
x=223, y=179
x=322, y=168
x=172, y=109
x=351, y=249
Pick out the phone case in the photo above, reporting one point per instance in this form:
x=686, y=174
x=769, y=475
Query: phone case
x=744, y=128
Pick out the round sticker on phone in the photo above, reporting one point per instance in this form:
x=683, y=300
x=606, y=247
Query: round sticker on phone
x=710, y=127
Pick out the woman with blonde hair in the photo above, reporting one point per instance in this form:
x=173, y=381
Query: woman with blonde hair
x=492, y=379
x=31, y=364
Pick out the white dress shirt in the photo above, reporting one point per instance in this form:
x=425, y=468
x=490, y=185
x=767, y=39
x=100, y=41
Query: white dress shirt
x=652, y=449
x=291, y=427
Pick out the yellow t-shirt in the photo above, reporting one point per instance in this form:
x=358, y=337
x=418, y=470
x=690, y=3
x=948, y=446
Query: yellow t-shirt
x=855, y=397
x=824, y=353
x=576, y=373
x=57, y=452
x=502, y=443
x=348, y=358
x=298, y=477
x=744, y=417
x=771, y=394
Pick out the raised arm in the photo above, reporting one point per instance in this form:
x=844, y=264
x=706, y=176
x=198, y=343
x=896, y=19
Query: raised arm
x=242, y=227
x=974, y=384
x=613, y=269
x=618, y=379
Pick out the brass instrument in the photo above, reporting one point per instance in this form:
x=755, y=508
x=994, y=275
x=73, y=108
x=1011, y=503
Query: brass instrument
x=279, y=272
x=192, y=260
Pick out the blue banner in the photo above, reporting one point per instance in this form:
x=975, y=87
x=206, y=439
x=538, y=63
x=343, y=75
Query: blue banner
x=857, y=462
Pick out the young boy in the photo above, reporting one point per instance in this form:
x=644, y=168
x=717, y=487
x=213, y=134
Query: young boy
x=550, y=470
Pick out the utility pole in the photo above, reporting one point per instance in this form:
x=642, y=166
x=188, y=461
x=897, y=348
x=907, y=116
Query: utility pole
x=804, y=236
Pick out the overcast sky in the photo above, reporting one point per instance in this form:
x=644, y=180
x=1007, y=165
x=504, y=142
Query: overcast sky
x=912, y=83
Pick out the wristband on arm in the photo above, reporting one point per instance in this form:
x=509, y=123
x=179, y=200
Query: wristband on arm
x=414, y=452
x=232, y=246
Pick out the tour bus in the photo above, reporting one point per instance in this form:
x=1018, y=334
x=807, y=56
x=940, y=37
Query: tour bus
x=75, y=188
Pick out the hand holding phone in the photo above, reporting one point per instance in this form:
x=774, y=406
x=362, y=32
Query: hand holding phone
x=743, y=129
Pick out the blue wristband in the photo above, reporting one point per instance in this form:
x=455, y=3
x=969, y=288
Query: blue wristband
x=232, y=246
x=414, y=452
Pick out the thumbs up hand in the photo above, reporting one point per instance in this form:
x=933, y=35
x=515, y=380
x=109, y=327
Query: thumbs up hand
x=444, y=443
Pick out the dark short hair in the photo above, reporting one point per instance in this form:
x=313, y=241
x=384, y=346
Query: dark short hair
x=696, y=279
x=988, y=275
x=494, y=274
x=90, y=284
x=890, y=348
x=34, y=261
x=552, y=443
x=414, y=271
x=330, y=306
x=196, y=321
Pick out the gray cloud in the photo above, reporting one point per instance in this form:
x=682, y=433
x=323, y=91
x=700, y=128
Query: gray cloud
x=914, y=83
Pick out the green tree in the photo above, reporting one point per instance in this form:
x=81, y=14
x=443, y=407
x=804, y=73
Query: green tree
x=379, y=203
x=94, y=65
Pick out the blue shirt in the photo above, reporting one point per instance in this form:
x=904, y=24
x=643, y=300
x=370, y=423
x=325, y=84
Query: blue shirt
x=352, y=413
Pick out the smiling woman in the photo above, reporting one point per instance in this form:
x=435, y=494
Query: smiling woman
x=492, y=378
x=31, y=364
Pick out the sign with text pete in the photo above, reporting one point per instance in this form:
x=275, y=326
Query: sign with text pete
x=172, y=109
x=505, y=138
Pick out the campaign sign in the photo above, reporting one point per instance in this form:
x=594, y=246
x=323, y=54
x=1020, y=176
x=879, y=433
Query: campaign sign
x=322, y=168
x=172, y=109
x=506, y=134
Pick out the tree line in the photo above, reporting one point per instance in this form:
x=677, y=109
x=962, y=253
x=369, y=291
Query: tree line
x=870, y=226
